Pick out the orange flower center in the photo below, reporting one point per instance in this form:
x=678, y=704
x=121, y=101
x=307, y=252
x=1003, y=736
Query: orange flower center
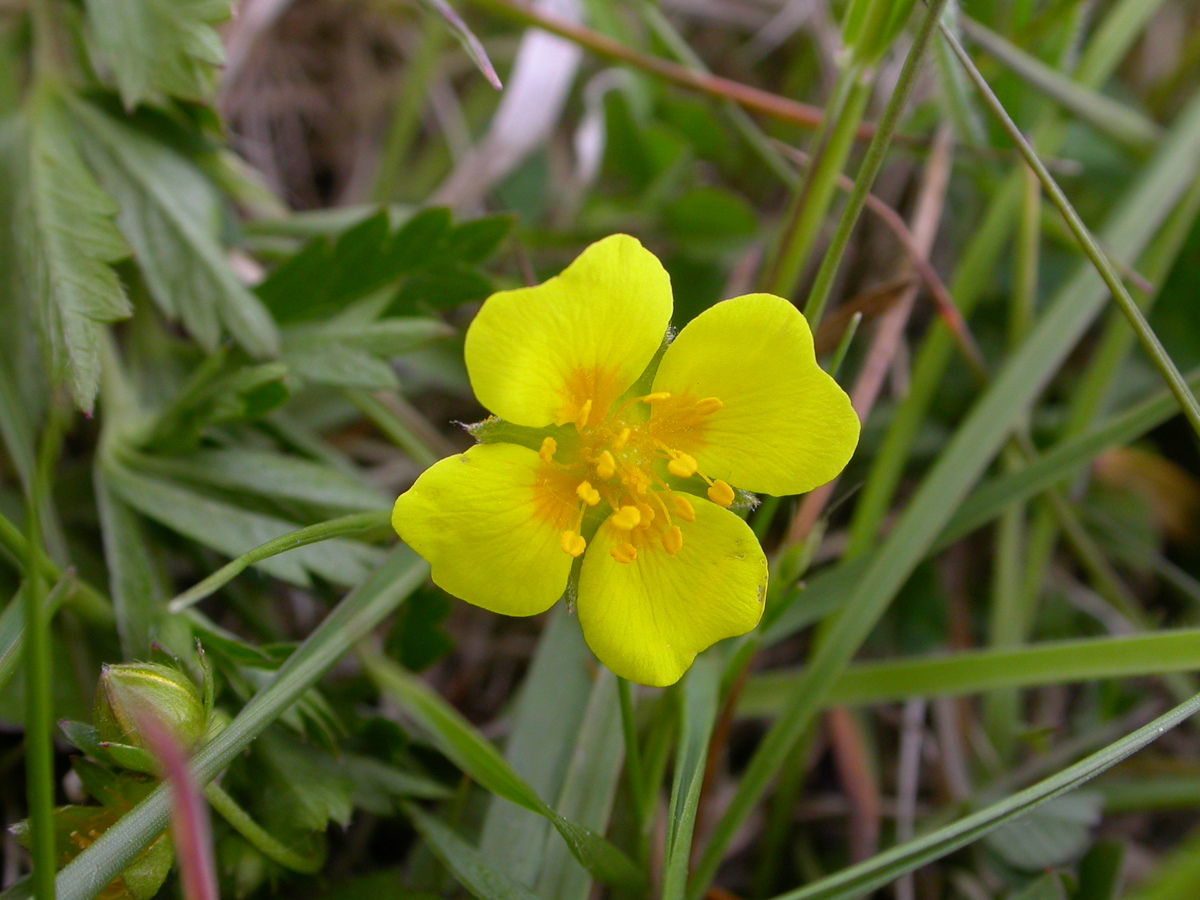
x=615, y=464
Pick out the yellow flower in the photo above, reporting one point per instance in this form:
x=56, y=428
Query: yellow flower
x=736, y=399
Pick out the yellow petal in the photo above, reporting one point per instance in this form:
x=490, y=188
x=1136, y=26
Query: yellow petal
x=490, y=523
x=570, y=346
x=783, y=425
x=647, y=619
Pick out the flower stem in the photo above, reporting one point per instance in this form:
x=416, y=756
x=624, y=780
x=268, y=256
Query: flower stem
x=818, y=297
x=634, y=772
x=39, y=710
x=259, y=837
x=811, y=201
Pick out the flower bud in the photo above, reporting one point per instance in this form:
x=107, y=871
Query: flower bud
x=130, y=691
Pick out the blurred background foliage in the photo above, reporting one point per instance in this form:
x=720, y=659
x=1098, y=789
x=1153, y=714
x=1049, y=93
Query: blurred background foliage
x=239, y=245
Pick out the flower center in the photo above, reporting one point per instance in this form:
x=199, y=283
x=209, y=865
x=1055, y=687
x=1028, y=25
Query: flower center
x=619, y=453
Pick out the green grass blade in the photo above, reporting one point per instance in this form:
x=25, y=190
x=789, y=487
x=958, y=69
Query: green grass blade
x=886, y=867
x=1091, y=248
x=698, y=712
x=973, y=446
x=356, y=523
x=588, y=790
x=972, y=672
x=473, y=754
x=356, y=616
x=1118, y=121
x=547, y=717
x=466, y=863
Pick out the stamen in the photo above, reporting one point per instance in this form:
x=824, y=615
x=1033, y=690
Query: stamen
x=721, y=494
x=646, y=511
x=585, y=410
x=587, y=493
x=672, y=540
x=682, y=465
x=549, y=448
x=624, y=553
x=684, y=509
x=656, y=397
x=621, y=440
x=709, y=405
x=572, y=543
x=606, y=465
x=626, y=518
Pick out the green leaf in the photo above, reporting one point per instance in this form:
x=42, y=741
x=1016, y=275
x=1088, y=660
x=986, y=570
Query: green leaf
x=159, y=47
x=455, y=737
x=232, y=530
x=1054, y=834
x=1048, y=887
x=271, y=475
x=355, y=354
x=136, y=581
x=465, y=862
x=68, y=242
x=547, y=716
x=1100, y=871
x=171, y=216
x=698, y=712
x=886, y=867
x=219, y=391
x=354, y=618
x=588, y=790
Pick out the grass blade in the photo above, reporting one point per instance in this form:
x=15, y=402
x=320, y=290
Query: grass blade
x=473, y=754
x=974, y=445
x=971, y=672
x=887, y=866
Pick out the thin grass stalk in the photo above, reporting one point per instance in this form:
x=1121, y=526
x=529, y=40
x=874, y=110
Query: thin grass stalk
x=634, y=772
x=39, y=670
x=968, y=453
x=1091, y=248
x=810, y=203
x=1111, y=40
x=1002, y=710
x=1088, y=399
x=818, y=297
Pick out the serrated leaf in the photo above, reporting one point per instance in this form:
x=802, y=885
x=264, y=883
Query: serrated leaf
x=231, y=530
x=67, y=241
x=274, y=475
x=170, y=214
x=354, y=354
x=159, y=47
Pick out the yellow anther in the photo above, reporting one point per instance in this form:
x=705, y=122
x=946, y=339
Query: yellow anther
x=584, y=411
x=682, y=465
x=621, y=440
x=656, y=397
x=549, y=448
x=626, y=518
x=573, y=543
x=587, y=493
x=647, y=513
x=721, y=493
x=672, y=540
x=683, y=509
x=606, y=466
x=624, y=553
x=709, y=405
